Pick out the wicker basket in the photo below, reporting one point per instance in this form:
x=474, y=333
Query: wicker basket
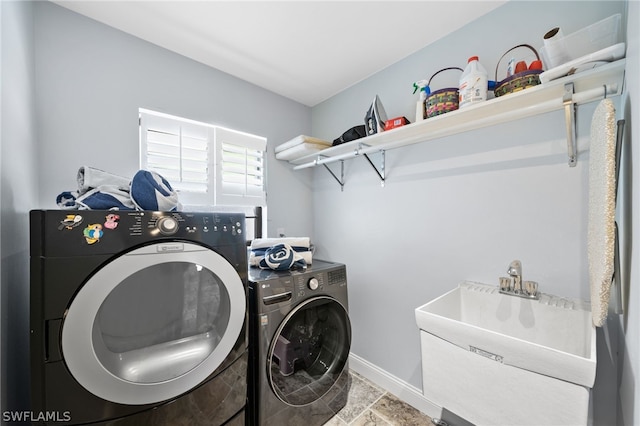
x=443, y=100
x=520, y=81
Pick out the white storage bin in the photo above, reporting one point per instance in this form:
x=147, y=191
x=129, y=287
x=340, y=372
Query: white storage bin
x=595, y=37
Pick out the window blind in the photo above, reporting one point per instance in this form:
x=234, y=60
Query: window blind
x=240, y=168
x=207, y=165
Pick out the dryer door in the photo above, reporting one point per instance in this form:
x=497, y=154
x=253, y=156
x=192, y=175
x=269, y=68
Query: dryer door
x=309, y=351
x=154, y=323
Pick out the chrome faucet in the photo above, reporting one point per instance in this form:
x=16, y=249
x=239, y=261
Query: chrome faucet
x=514, y=285
x=515, y=271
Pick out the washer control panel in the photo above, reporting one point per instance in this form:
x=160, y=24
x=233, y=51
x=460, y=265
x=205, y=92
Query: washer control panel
x=313, y=283
x=272, y=290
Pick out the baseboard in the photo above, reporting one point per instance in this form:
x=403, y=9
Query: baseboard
x=403, y=390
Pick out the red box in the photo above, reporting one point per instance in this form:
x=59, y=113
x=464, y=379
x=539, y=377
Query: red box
x=395, y=122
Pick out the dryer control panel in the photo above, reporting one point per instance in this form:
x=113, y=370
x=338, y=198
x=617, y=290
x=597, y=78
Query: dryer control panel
x=86, y=232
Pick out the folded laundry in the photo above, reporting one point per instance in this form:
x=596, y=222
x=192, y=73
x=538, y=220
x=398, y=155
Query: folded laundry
x=104, y=197
x=300, y=140
x=256, y=258
x=100, y=190
x=299, y=147
x=282, y=257
x=300, y=245
x=150, y=191
x=299, y=151
x=90, y=177
x=303, y=242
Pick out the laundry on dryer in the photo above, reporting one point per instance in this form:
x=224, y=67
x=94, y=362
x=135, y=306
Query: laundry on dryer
x=300, y=245
x=101, y=190
x=139, y=317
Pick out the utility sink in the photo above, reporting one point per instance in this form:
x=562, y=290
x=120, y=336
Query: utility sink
x=481, y=348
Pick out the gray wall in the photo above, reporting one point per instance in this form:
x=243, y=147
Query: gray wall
x=71, y=89
x=18, y=179
x=461, y=207
x=90, y=81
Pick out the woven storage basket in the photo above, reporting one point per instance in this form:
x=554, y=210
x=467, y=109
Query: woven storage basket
x=443, y=100
x=520, y=81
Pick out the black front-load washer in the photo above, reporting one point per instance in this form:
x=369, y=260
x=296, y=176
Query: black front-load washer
x=300, y=337
x=138, y=318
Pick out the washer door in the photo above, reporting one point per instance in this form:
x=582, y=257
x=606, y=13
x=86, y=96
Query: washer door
x=309, y=351
x=154, y=323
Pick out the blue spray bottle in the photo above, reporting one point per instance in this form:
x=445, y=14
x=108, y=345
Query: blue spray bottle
x=421, y=109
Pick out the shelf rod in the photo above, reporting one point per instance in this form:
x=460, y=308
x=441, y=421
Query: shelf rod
x=486, y=121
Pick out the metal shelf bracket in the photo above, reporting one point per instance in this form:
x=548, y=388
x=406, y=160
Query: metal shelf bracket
x=570, y=121
x=381, y=171
x=339, y=180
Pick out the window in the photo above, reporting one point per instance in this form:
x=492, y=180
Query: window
x=207, y=165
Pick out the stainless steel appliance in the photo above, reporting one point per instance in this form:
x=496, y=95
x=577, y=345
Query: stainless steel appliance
x=300, y=337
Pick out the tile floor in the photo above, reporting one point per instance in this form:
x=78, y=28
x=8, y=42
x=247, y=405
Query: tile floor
x=369, y=405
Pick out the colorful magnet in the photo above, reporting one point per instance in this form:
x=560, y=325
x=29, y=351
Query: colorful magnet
x=93, y=233
x=70, y=222
x=111, y=221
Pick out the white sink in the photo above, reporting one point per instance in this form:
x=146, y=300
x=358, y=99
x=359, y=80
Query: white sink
x=481, y=349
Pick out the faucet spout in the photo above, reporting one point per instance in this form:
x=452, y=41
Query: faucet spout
x=515, y=271
x=514, y=286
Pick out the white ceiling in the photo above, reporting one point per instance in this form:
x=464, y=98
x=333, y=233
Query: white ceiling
x=304, y=50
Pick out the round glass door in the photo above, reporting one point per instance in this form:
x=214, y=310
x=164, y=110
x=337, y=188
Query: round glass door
x=309, y=351
x=154, y=323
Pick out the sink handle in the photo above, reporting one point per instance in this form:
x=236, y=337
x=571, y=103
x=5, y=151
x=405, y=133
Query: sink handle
x=505, y=283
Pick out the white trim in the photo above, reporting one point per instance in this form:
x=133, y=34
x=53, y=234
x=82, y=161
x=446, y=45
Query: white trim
x=403, y=390
x=199, y=123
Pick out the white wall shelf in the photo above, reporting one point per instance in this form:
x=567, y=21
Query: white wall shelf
x=561, y=94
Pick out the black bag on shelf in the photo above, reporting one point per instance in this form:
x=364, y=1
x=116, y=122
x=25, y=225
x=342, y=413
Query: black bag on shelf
x=352, y=134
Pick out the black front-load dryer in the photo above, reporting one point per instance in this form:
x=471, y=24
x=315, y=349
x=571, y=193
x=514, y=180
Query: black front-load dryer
x=138, y=318
x=300, y=337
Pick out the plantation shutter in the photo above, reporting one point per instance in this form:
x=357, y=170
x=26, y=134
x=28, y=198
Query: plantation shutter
x=240, y=178
x=206, y=165
x=179, y=151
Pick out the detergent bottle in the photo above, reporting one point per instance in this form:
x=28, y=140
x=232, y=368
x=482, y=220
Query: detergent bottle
x=421, y=110
x=473, y=83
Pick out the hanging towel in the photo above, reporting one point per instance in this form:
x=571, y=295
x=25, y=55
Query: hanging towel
x=601, y=218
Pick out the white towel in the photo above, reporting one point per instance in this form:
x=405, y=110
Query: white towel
x=259, y=246
x=90, y=177
x=602, y=208
x=299, y=151
x=300, y=140
x=259, y=243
